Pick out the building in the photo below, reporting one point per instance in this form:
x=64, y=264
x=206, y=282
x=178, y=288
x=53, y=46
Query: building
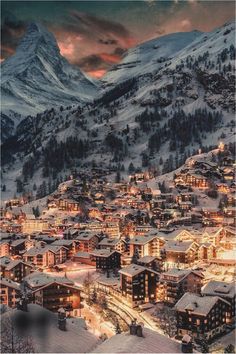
x=30, y=226
x=113, y=244
x=71, y=245
x=88, y=241
x=9, y=292
x=17, y=247
x=198, y=316
x=146, y=246
x=106, y=259
x=48, y=256
x=174, y=283
x=222, y=289
x=56, y=295
x=14, y=269
x=4, y=248
x=180, y=254
x=138, y=284
x=206, y=251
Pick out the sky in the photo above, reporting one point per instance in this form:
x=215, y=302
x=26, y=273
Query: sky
x=95, y=35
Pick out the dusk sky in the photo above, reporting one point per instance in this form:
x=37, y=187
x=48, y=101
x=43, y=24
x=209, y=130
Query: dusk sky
x=95, y=34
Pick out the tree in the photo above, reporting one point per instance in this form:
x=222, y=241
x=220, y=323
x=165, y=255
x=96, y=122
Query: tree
x=12, y=340
x=131, y=168
x=4, y=188
x=117, y=180
x=118, y=329
x=87, y=287
x=94, y=296
x=19, y=186
x=230, y=349
x=36, y=211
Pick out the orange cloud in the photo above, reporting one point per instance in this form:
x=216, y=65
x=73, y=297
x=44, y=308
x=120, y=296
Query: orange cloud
x=110, y=58
x=97, y=73
x=66, y=49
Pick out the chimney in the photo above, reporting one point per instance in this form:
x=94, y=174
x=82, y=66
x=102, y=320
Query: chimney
x=133, y=327
x=62, y=319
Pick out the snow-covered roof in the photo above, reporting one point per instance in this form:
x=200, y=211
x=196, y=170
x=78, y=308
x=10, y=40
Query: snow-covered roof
x=38, y=279
x=109, y=242
x=197, y=304
x=219, y=288
x=151, y=342
x=76, y=338
x=9, y=283
x=141, y=240
x=178, y=246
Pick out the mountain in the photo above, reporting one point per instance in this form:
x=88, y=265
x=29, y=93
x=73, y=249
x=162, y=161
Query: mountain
x=37, y=77
x=177, y=98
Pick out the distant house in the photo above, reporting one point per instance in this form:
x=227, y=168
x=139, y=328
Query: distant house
x=88, y=241
x=222, y=289
x=44, y=257
x=14, y=269
x=30, y=226
x=206, y=251
x=198, y=315
x=180, y=254
x=175, y=282
x=17, y=247
x=106, y=259
x=9, y=292
x=112, y=244
x=138, y=284
x=146, y=246
x=71, y=245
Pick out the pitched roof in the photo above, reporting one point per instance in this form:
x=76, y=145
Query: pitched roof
x=9, y=283
x=151, y=342
x=197, y=304
x=219, y=288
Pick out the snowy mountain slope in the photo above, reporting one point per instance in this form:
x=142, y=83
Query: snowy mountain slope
x=163, y=111
x=37, y=77
x=149, y=56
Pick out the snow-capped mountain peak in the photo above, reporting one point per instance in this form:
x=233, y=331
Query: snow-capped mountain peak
x=38, y=77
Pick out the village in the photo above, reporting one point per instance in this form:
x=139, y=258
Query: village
x=156, y=251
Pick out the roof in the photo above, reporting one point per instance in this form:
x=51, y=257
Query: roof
x=134, y=269
x=219, y=288
x=62, y=242
x=82, y=254
x=86, y=235
x=103, y=253
x=181, y=273
x=17, y=242
x=175, y=246
x=141, y=240
x=147, y=259
x=109, y=242
x=75, y=339
x=58, y=283
x=151, y=342
x=197, y=304
x=38, y=279
x=9, y=283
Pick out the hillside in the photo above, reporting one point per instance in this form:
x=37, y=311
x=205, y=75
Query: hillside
x=167, y=99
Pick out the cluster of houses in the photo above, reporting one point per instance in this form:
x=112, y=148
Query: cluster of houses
x=135, y=233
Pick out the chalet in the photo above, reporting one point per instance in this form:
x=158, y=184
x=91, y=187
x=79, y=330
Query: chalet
x=151, y=262
x=88, y=241
x=9, y=292
x=138, y=284
x=113, y=244
x=17, y=247
x=146, y=246
x=180, y=254
x=198, y=316
x=206, y=251
x=44, y=257
x=71, y=245
x=222, y=289
x=67, y=204
x=84, y=258
x=106, y=259
x=175, y=282
x=56, y=295
x=14, y=269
